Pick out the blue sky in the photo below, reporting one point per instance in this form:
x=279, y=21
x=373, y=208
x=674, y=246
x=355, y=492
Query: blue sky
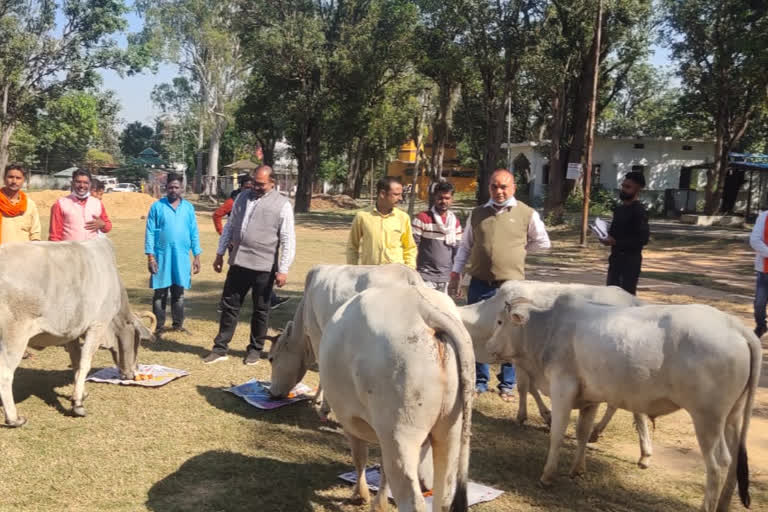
x=133, y=92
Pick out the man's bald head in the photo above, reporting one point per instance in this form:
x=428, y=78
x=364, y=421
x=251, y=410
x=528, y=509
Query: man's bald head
x=264, y=170
x=263, y=181
x=501, y=186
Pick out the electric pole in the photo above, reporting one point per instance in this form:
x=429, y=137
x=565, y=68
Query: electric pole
x=591, y=125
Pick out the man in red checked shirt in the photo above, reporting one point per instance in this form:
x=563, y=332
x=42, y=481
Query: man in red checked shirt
x=78, y=216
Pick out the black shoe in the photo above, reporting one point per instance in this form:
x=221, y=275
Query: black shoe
x=180, y=329
x=253, y=357
x=279, y=301
x=214, y=357
x=159, y=331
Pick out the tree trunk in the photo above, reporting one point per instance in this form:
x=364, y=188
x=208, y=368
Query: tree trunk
x=580, y=119
x=6, y=131
x=554, y=203
x=268, y=149
x=212, y=175
x=198, y=182
x=353, y=174
x=308, y=156
x=361, y=178
x=448, y=96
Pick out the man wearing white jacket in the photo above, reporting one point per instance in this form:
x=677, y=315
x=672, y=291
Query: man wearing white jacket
x=758, y=240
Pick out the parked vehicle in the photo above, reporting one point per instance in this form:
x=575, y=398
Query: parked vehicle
x=125, y=187
x=109, y=182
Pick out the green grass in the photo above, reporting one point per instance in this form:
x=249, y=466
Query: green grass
x=190, y=446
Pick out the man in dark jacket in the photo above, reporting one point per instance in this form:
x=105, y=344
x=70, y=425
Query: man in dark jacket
x=628, y=235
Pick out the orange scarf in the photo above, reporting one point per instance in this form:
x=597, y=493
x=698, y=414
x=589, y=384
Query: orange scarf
x=9, y=209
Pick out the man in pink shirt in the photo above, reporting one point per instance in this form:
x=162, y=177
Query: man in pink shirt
x=78, y=216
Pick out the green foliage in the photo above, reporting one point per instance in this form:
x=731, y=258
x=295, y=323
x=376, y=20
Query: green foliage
x=722, y=50
x=132, y=174
x=333, y=170
x=69, y=124
x=40, y=61
x=94, y=159
x=647, y=105
x=135, y=138
x=601, y=201
x=23, y=147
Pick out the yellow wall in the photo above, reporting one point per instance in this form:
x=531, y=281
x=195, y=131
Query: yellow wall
x=406, y=157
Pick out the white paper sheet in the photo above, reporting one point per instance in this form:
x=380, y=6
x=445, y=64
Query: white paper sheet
x=476, y=493
x=149, y=376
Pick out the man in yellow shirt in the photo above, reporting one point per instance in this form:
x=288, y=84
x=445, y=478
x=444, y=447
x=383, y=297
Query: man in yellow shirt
x=383, y=233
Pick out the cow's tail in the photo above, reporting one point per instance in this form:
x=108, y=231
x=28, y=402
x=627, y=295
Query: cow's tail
x=756, y=361
x=450, y=327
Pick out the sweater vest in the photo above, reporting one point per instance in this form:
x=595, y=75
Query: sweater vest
x=498, y=252
x=257, y=248
x=75, y=216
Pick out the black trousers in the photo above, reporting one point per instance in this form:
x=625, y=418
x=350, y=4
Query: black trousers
x=624, y=270
x=160, y=300
x=239, y=282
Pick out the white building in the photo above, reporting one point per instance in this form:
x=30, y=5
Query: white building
x=666, y=163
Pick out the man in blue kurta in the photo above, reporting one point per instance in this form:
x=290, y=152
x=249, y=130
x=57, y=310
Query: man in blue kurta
x=171, y=233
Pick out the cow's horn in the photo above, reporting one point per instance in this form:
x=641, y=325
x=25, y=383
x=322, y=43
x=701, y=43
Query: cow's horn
x=152, y=319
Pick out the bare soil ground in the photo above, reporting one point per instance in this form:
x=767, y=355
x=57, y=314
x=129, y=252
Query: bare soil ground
x=192, y=446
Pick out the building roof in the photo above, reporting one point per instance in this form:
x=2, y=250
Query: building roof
x=242, y=164
x=748, y=161
x=66, y=173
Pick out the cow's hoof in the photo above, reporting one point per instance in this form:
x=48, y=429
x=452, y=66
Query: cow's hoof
x=361, y=495
x=594, y=437
x=644, y=462
x=547, y=419
x=577, y=472
x=20, y=422
x=79, y=411
x=521, y=420
x=545, y=483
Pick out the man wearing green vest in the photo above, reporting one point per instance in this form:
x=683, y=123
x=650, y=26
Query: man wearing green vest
x=496, y=239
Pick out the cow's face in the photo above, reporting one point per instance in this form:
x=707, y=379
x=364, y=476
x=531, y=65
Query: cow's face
x=505, y=343
x=129, y=340
x=289, y=361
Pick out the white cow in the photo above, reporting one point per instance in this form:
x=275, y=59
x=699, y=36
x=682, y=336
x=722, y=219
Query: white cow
x=649, y=359
x=326, y=288
x=397, y=368
x=74, y=292
x=480, y=321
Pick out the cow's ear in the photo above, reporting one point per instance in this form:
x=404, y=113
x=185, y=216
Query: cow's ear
x=518, y=316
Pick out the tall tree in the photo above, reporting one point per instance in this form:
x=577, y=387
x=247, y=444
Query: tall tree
x=566, y=69
x=722, y=50
x=262, y=113
x=499, y=37
x=201, y=38
x=327, y=62
x=135, y=138
x=40, y=61
x=441, y=58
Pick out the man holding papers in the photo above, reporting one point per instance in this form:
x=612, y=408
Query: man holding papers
x=627, y=235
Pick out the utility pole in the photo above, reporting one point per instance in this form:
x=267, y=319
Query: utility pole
x=591, y=125
x=509, y=131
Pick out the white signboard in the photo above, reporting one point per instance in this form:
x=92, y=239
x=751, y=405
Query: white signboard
x=574, y=171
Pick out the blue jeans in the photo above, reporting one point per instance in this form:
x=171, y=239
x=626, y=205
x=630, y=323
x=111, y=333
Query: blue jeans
x=761, y=299
x=478, y=291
